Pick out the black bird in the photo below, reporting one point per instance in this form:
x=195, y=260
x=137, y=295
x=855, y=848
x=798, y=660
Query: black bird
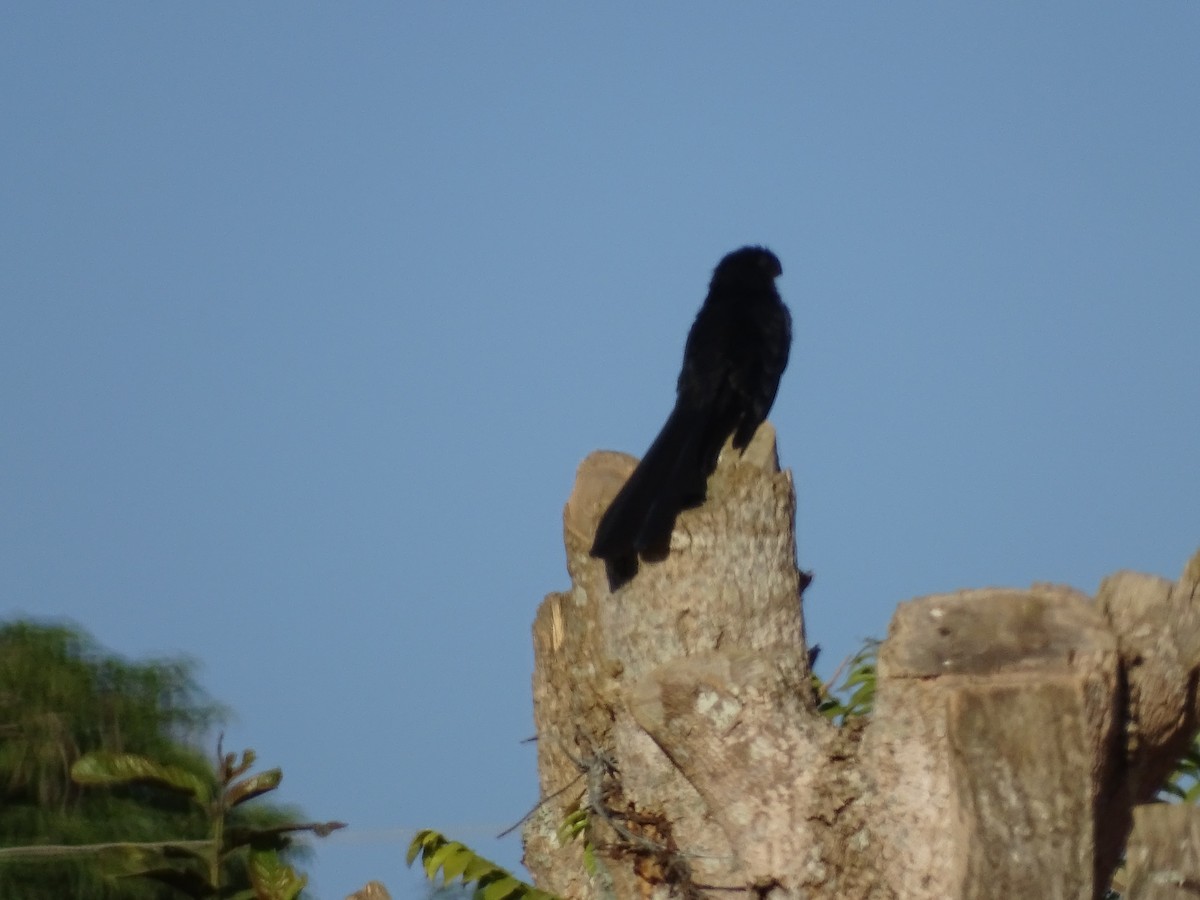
x=735, y=354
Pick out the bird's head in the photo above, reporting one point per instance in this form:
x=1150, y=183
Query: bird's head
x=748, y=264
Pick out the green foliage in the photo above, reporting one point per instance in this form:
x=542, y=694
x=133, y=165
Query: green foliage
x=126, y=731
x=105, y=768
x=61, y=696
x=854, y=697
x=574, y=827
x=457, y=861
x=272, y=878
x=1184, y=783
x=236, y=852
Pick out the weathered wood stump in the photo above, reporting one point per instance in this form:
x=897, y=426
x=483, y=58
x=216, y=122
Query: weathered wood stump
x=1014, y=730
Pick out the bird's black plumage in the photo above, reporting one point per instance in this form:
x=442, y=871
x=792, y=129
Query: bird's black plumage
x=735, y=354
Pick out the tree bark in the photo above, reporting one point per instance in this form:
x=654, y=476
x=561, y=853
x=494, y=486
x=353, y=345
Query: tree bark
x=1163, y=859
x=1013, y=730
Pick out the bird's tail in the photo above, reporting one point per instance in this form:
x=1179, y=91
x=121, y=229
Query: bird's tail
x=669, y=478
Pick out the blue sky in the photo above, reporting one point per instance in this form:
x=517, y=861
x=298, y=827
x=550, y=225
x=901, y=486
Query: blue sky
x=308, y=313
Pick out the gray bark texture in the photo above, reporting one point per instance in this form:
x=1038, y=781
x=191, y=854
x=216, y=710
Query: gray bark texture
x=1014, y=731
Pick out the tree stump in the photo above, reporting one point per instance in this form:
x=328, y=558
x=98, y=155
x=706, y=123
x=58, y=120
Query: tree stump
x=1013, y=732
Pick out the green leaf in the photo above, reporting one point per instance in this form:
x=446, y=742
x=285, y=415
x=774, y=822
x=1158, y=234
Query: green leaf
x=102, y=768
x=858, y=676
x=272, y=878
x=501, y=888
x=420, y=842
x=253, y=787
x=831, y=708
x=572, y=826
x=457, y=864
x=863, y=698
x=456, y=860
x=438, y=858
x=477, y=869
x=431, y=854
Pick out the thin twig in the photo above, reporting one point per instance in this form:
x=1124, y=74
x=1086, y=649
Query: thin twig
x=525, y=818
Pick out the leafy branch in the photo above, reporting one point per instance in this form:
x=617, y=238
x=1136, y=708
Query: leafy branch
x=854, y=697
x=457, y=861
x=198, y=868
